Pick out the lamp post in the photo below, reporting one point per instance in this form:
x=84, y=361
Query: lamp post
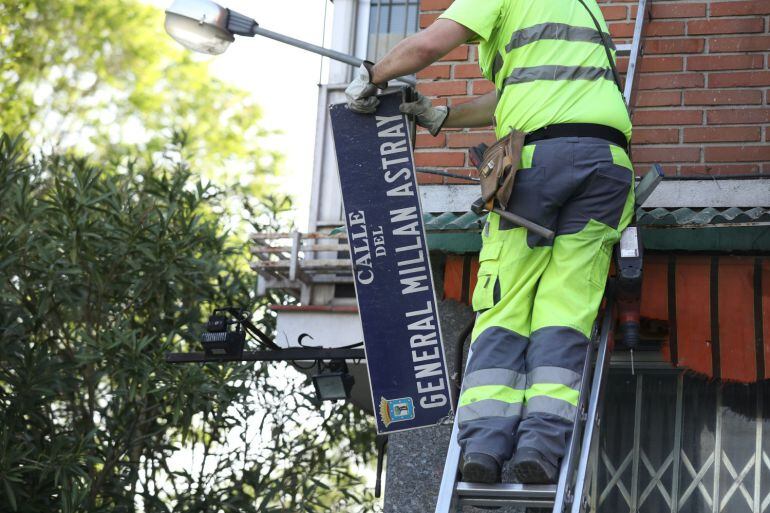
x=207, y=27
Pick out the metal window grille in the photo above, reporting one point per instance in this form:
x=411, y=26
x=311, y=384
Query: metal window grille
x=679, y=444
x=390, y=21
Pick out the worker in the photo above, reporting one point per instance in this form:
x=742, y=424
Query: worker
x=536, y=299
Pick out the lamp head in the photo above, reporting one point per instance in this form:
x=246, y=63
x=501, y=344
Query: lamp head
x=200, y=25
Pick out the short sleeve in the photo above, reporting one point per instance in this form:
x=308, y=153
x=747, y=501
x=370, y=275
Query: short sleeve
x=480, y=16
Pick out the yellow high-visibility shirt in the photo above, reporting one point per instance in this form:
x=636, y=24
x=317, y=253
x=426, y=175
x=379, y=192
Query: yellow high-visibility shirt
x=547, y=61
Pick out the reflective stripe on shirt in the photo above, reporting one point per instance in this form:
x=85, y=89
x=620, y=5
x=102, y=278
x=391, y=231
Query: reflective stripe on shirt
x=555, y=31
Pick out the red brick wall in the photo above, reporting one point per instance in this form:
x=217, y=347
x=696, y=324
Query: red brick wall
x=703, y=103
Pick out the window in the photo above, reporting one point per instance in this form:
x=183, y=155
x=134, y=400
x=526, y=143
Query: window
x=390, y=21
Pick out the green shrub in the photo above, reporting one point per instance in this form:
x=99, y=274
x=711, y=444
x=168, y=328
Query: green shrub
x=102, y=271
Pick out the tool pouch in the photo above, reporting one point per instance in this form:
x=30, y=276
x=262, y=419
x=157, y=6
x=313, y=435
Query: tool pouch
x=498, y=169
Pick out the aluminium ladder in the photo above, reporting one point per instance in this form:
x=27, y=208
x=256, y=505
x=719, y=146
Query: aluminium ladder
x=573, y=476
x=570, y=494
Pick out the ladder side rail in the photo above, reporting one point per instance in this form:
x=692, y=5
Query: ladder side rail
x=636, y=53
x=564, y=486
x=598, y=387
x=447, y=494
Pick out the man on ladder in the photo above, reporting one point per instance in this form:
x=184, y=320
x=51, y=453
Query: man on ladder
x=557, y=96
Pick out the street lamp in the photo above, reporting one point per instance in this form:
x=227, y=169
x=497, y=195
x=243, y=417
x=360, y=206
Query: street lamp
x=207, y=27
x=200, y=25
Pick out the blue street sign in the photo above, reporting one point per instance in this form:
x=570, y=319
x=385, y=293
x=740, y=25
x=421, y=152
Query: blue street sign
x=391, y=267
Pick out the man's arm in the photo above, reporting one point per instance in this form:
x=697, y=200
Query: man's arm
x=478, y=112
x=420, y=50
x=410, y=56
x=423, y=49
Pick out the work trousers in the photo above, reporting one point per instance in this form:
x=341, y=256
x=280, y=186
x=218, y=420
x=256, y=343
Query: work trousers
x=536, y=300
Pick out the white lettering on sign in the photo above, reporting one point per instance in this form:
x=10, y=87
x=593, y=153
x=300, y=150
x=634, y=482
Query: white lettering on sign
x=378, y=238
x=360, y=252
x=395, y=130
x=402, y=174
x=404, y=222
x=388, y=148
x=412, y=267
x=426, y=357
x=390, y=127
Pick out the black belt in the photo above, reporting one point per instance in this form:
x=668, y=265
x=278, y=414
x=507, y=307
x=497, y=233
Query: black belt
x=609, y=134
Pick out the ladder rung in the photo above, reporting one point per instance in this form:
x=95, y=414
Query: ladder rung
x=521, y=503
x=623, y=50
x=532, y=496
x=528, y=504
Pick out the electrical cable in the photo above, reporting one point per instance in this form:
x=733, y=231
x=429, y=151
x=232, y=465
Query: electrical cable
x=459, y=354
x=705, y=176
x=351, y=346
x=255, y=332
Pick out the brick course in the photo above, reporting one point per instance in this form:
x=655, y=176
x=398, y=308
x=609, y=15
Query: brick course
x=703, y=102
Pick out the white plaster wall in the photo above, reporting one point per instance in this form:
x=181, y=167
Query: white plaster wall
x=327, y=329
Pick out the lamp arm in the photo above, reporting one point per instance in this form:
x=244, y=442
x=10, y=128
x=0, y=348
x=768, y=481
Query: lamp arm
x=320, y=50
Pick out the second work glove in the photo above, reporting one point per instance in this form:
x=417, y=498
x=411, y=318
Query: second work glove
x=362, y=93
x=425, y=114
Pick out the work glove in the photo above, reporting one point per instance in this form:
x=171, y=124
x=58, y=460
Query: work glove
x=362, y=93
x=425, y=114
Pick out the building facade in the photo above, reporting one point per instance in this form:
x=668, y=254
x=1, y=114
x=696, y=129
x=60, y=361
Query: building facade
x=689, y=429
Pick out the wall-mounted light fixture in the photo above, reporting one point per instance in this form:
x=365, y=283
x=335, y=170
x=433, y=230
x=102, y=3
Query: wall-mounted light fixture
x=333, y=382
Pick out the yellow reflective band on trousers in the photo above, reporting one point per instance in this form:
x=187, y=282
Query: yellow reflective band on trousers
x=496, y=392
x=554, y=391
x=547, y=61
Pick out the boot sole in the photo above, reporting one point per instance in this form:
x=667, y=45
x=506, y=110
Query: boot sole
x=483, y=475
x=531, y=472
x=473, y=473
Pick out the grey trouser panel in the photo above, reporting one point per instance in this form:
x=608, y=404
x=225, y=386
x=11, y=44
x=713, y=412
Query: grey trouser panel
x=486, y=425
x=537, y=299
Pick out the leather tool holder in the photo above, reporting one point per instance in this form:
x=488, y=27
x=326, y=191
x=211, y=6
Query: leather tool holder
x=498, y=169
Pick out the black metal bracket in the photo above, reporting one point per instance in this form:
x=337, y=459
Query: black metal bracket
x=381, y=442
x=276, y=355
x=240, y=24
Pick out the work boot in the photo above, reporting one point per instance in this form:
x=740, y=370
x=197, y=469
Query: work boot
x=480, y=468
x=531, y=467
